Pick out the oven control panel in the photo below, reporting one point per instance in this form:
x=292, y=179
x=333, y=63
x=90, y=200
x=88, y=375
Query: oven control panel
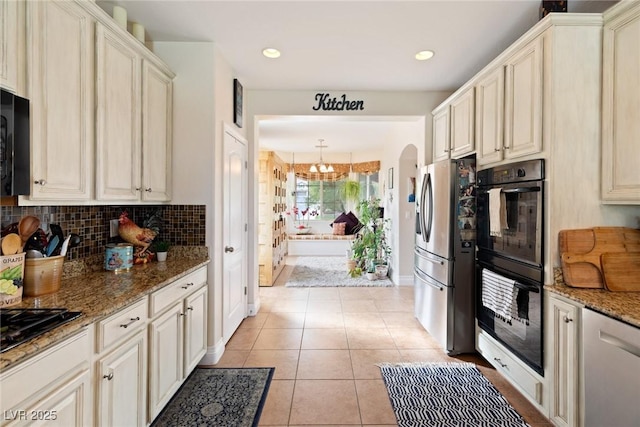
x=531, y=170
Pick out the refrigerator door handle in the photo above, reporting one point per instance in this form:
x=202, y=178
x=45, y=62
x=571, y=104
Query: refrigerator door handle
x=427, y=280
x=426, y=256
x=426, y=219
x=421, y=207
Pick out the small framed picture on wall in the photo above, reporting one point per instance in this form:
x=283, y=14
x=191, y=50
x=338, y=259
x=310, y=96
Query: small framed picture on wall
x=237, y=103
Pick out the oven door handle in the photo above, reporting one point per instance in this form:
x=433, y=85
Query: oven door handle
x=524, y=287
x=533, y=189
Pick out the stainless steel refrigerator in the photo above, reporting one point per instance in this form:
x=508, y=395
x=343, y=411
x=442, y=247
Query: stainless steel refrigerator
x=444, y=273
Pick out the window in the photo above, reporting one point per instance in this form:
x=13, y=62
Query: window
x=327, y=198
x=322, y=196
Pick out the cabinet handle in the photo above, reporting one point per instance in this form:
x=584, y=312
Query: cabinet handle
x=182, y=314
x=504, y=365
x=131, y=322
x=40, y=182
x=496, y=149
x=228, y=249
x=186, y=286
x=137, y=188
x=190, y=308
x=506, y=147
x=567, y=319
x=148, y=190
x=108, y=377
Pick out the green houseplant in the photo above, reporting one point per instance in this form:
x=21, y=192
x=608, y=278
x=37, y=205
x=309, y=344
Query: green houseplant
x=161, y=248
x=370, y=247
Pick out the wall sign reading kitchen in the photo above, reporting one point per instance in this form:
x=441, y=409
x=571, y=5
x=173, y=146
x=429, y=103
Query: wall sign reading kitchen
x=325, y=102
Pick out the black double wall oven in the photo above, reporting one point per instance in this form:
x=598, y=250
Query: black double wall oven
x=509, y=268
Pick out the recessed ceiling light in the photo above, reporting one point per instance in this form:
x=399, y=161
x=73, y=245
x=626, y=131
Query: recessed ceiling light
x=271, y=52
x=424, y=55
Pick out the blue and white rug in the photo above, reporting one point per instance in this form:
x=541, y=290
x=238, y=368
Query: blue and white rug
x=446, y=395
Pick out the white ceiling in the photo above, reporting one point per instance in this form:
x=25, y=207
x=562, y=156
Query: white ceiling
x=345, y=45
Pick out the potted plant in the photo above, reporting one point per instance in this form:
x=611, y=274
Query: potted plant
x=161, y=248
x=370, y=248
x=351, y=190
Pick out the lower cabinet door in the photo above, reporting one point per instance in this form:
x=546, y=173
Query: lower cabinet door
x=122, y=385
x=166, y=358
x=66, y=406
x=195, y=345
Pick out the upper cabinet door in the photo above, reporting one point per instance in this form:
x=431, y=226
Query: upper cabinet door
x=157, y=119
x=489, y=117
x=118, y=116
x=523, y=106
x=441, y=134
x=462, y=124
x=621, y=107
x=9, y=45
x=60, y=82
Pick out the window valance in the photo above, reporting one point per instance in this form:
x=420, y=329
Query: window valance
x=340, y=170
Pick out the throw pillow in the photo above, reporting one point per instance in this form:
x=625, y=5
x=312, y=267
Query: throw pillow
x=341, y=218
x=339, y=228
x=353, y=224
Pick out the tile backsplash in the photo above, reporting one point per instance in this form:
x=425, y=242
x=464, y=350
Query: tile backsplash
x=181, y=225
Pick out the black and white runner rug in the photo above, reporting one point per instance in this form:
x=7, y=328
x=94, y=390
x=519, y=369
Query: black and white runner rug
x=446, y=394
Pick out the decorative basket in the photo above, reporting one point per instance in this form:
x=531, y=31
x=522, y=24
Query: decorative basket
x=11, y=279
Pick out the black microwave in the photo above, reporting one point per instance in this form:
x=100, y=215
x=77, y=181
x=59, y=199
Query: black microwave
x=14, y=145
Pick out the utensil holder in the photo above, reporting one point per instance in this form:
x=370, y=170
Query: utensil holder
x=42, y=275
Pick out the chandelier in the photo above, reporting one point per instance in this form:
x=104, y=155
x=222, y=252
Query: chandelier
x=321, y=167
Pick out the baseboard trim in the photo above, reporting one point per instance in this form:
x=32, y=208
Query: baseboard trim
x=405, y=281
x=213, y=354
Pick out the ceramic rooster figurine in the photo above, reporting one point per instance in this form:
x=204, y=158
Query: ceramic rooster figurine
x=137, y=236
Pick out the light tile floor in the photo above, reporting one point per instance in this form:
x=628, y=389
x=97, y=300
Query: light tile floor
x=325, y=344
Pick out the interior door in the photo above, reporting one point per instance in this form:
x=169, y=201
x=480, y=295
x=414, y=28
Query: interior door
x=234, y=286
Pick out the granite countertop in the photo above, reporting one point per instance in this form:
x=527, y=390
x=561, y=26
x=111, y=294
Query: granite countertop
x=623, y=306
x=99, y=294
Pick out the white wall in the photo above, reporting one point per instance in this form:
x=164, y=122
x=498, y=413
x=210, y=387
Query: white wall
x=203, y=102
x=417, y=132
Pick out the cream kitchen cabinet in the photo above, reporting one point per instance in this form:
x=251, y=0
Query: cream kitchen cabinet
x=523, y=101
x=61, y=84
x=453, y=126
x=461, y=133
x=177, y=336
x=121, y=367
x=133, y=121
x=52, y=388
x=9, y=45
x=621, y=104
x=441, y=139
x=490, y=117
x=563, y=333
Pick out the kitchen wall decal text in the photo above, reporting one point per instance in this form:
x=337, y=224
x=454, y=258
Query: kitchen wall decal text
x=325, y=102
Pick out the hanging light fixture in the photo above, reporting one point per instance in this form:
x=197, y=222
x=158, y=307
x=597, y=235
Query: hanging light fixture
x=321, y=166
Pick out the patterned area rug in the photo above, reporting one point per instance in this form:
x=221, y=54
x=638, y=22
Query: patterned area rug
x=315, y=271
x=446, y=394
x=224, y=397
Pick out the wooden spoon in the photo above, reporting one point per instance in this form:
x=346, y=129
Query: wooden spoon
x=11, y=244
x=27, y=226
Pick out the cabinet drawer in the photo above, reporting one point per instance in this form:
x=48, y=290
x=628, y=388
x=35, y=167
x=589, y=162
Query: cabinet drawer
x=177, y=290
x=120, y=325
x=36, y=376
x=507, y=365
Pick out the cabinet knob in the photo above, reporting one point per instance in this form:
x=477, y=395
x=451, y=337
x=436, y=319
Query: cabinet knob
x=148, y=190
x=228, y=249
x=496, y=149
x=506, y=147
x=108, y=377
x=40, y=182
x=190, y=308
x=137, y=188
x=186, y=286
x=567, y=319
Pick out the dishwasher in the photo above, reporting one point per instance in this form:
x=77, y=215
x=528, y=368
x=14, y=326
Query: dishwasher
x=611, y=371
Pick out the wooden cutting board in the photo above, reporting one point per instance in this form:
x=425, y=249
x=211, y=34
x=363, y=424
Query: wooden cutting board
x=581, y=249
x=621, y=271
